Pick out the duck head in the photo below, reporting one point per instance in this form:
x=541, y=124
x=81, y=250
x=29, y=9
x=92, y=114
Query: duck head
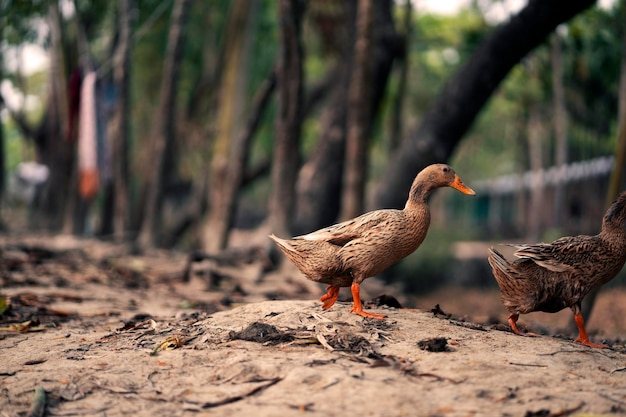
x=436, y=176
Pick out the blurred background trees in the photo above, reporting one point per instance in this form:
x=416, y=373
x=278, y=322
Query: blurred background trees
x=289, y=115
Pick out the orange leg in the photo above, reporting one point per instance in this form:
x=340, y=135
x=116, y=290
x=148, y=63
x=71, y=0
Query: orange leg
x=583, y=338
x=513, y=323
x=330, y=297
x=358, y=307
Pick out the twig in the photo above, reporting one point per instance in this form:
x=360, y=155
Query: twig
x=39, y=403
x=562, y=351
x=618, y=370
x=608, y=397
x=236, y=398
x=528, y=364
x=437, y=377
x=320, y=337
x=320, y=317
x=604, y=352
x=470, y=326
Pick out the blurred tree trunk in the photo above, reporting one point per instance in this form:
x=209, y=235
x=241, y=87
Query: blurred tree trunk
x=119, y=128
x=236, y=177
x=202, y=100
x=560, y=124
x=320, y=179
x=618, y=175
x=467, y=91
x=290, y=80
x=159, y=173
x=229, y=152
x=54, y=147
x=616, y=183
x=395, y=131
x=359, y=113
x=319, y=183
x=2, y=152
x=534, y=218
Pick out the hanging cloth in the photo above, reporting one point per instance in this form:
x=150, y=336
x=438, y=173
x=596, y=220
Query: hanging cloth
x=74, y=103
x=87, y=139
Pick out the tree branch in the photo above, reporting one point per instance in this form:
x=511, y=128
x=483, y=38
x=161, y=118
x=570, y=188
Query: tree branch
x=468, y=90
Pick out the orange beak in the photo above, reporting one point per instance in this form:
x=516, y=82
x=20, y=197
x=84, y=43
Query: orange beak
x=457, y=184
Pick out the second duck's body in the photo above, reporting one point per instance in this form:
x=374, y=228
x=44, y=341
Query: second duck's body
x=552, y=276
x=347, y=253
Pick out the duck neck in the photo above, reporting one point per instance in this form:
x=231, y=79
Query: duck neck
x=614, y=235
x=418, y=195
x=614, y=222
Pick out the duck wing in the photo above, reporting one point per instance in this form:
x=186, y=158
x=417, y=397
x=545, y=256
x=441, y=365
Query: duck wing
x=342, y=233
x=562, y=255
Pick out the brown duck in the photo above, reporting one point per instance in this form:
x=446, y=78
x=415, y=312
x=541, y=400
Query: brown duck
x=347, y=253
x=551, y=276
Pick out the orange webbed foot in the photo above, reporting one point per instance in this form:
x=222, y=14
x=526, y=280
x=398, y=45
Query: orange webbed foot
x=330, y=297
x=589, y=343
x=358, y=307
x=583, y=338
x=363, y=313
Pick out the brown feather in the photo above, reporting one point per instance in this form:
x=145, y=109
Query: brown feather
x=551, y=276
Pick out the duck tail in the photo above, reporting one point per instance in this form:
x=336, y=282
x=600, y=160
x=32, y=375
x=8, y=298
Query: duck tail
x=496, y=260
x=500, y=267
x=513, y=288
x=282, y=244
x=295, y=255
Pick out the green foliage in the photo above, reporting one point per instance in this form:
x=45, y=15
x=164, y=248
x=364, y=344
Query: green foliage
x=592, y=44
x=17, y=20
x=13, y=144
x=441, y=44
x=495, y=145
x=594, y=50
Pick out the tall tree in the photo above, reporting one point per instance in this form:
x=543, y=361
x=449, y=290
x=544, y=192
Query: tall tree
x=119, y=127
x=395, y=131
x=355, y=174
x=54, y=147
x=229, y=152
x=535, y=152
x=467, y=91
x=2, y=152
x=164, y=135
x=559, y=122
x=320, y=180
x=290, y=80
x=616, y=182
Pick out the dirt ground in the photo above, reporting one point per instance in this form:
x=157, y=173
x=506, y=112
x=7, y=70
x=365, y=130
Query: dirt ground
x=90, y=330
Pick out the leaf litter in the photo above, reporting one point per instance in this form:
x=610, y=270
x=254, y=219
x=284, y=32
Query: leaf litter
x=290, y=349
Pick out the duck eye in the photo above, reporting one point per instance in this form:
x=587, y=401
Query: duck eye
x=446, y=169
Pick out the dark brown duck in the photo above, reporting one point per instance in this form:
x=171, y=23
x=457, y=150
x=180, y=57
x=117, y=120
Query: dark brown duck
x=347, y=253
x=551, y=276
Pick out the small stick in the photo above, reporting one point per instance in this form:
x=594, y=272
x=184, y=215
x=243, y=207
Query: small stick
x=230, y=400
x=528, y=364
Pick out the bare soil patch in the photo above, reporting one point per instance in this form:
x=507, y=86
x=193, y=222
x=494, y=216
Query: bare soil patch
x=92, y=330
